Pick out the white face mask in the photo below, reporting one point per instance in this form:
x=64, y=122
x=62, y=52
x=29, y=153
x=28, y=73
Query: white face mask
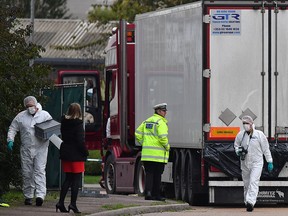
x=247, y=127
x=32, y=110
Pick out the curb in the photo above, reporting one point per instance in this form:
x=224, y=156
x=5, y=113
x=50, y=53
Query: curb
x=144, y=209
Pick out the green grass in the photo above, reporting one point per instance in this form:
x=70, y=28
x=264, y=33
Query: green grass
x=15, y=197
x=89, y=179
x=116, y=206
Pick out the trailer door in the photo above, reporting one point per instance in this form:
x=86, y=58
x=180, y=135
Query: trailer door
x=247, y=56
x=279, y=44
x=236, y=59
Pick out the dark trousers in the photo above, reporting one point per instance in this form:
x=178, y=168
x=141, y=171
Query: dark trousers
x=153, y=172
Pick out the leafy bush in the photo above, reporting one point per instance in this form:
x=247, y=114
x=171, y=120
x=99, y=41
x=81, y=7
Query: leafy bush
x=91, y=167
x=18, y=79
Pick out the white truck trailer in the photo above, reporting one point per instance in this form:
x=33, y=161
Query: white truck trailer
x=214, y=62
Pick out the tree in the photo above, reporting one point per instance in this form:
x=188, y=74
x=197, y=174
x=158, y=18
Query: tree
x=18, y=79
x=49, y=9
x=127, y=9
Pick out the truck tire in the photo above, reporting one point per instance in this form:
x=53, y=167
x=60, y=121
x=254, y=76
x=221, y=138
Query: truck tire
x=110, y=175
x=140, y=179
x=184, y=167
x=177, y=174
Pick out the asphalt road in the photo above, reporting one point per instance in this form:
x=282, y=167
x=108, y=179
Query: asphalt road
x=95, y=202
x=226, y=211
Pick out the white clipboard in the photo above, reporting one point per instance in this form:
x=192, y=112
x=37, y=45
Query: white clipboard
x=56, y=140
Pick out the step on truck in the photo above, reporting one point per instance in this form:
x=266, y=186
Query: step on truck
x=212, y=62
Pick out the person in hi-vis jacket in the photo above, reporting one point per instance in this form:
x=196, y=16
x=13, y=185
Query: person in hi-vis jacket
x=152, y=134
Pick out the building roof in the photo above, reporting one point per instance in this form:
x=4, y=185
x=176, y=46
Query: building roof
x=64, y=38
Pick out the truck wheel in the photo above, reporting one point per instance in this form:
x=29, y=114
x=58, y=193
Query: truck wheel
x=184, y=167
x=140, y=179
x=177, y=174
x=110, y=175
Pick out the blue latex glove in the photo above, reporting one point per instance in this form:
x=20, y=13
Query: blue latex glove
x=10, y=145
x=270, y=167
x=238, y=152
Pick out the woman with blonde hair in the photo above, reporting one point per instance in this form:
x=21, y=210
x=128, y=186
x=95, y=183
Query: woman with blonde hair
x=73, y=154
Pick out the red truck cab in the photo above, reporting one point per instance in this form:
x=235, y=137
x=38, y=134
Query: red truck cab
x=93, y=105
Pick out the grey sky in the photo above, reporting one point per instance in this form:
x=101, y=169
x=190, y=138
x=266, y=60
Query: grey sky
x=80, y=8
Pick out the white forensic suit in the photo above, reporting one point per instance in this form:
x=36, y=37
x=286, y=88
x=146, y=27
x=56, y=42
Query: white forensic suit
x=252, y=165
x=33, y=151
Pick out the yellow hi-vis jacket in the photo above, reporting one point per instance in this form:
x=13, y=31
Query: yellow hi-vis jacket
x=152, y=134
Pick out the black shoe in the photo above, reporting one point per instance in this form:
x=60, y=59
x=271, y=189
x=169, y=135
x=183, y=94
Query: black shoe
x=39, y=201
x=73, y=208
x=249, y=207
x=28, y=201
x=61, y=207
x=159, y=198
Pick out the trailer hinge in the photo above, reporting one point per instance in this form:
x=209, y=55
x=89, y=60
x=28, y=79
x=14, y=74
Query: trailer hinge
x=281, y=130
x=206, y=18
x=207, y=73
x=206, y=127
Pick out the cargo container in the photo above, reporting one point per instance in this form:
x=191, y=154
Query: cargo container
x=212, y=62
